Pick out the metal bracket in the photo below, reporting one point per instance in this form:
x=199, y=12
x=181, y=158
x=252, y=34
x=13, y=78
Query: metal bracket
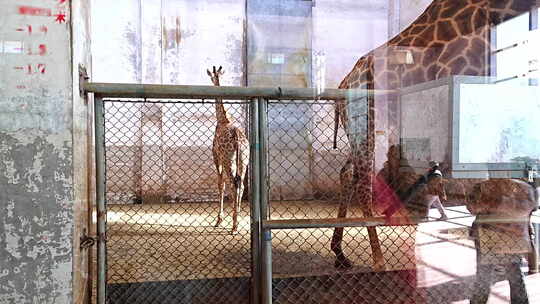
x=86, y=241
x=83, y=78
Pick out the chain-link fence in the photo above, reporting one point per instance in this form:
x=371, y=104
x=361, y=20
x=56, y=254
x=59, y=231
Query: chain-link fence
x=162, y=206
x=163, y=201
x=303, y=166
x=304, y=183
x=304, y=267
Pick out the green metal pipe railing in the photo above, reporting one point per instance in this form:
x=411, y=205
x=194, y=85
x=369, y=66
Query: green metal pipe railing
x=131, y=90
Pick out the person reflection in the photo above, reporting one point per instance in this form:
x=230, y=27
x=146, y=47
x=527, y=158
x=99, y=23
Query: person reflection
x=501, y=234
x=397, y=186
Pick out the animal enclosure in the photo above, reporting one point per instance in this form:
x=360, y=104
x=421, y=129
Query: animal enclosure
x=162, y=203
x=161, y=151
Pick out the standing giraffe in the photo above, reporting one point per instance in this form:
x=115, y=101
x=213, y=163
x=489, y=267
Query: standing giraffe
x=230, y=149
x=451, y=37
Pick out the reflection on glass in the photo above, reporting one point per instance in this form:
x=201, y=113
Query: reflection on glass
x=498, y=123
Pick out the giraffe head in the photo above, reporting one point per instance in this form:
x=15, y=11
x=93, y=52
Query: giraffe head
x=214, y=75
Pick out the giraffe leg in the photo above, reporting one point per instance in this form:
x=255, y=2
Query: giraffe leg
x=342, y=262
x=239, y=190
x=231, y=178
x=367, y=210
x=376, y=251
x=235, y=212
x=221, y=190
x=242, y=158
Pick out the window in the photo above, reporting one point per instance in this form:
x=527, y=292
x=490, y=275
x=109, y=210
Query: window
x=516, y=44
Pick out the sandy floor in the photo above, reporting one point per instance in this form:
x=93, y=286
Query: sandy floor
x=179, y=242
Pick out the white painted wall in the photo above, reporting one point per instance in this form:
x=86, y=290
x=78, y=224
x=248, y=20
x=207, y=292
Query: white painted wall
x=409, y=10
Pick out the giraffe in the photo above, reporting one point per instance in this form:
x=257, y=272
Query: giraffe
x=508, y=198
x=230, y=150
x=451, y=37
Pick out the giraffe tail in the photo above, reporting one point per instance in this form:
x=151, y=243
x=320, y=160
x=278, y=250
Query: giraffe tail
x=336, y=124
x=237, y=177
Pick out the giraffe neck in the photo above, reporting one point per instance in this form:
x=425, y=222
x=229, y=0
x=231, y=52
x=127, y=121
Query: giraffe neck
x=221, y=114
x=451, y=37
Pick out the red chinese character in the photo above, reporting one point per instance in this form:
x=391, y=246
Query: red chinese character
x=41, y=68
x=61, y=17
x=43, y=29
x=42, y=50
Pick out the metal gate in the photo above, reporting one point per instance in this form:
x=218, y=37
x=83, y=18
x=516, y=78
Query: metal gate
x=157, y=202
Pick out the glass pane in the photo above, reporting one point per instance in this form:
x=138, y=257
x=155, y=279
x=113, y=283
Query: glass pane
x=416, y=185
x=508, y=138
x=512, y=31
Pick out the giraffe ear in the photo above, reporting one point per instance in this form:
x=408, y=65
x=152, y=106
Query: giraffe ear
x=208, y=72
x=220, y=70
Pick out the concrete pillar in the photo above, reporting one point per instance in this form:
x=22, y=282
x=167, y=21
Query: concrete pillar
x=43, y=188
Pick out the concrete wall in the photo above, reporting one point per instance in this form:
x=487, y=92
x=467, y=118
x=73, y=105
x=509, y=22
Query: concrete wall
x=83, y=164
x=343, y=31
x=167, y=41
x=39, y=201
x=289, y=43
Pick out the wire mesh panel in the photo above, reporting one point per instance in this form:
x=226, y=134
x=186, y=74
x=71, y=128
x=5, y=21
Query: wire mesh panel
x=162, y=206
x=303, y=165
x=304, y=272
x=304, y=183
x=446, y=256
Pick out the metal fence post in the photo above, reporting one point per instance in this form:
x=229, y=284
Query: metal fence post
x=255, y=182
x=263, y=175
x=99, y=125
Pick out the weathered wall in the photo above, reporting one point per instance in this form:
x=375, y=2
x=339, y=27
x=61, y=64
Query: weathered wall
x=83, y=180
x=36, y=153
x=167, y=41
x=287, y=43
x=344, y=30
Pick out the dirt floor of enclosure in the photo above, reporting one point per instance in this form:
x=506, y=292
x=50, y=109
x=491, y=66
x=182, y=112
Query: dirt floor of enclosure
x=178, y=242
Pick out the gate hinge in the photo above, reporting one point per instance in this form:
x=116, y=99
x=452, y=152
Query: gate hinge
x=89, y=241
x=83, y=78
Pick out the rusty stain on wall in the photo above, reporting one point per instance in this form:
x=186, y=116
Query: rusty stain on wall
x=178, y=33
